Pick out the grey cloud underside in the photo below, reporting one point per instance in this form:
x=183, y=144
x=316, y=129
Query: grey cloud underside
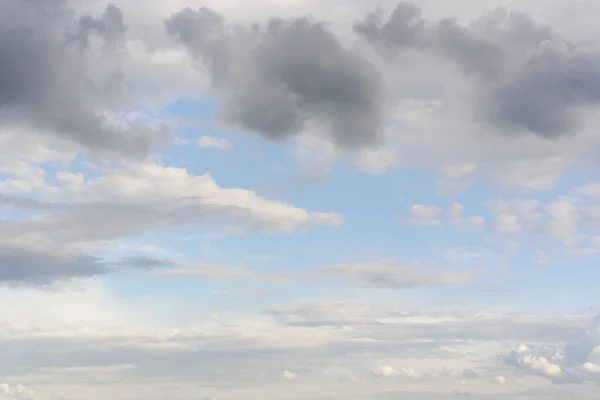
x=24, y=266
x=286, y=77
x=44, y=82
x=528, y=78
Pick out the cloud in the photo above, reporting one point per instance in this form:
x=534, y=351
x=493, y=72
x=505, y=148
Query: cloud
x=89, y=340
x=591, y=367
x=286, y=77
x=126, y=202
x=17, y=392
x=385, y=371
x=458, y=221
x=532, y=360
x=526, y=77
x=424, y=215
x=206, y=142
x=289, y=375
x=499, y=380
x=386, y=274
x=203, y=270
x=376, y=161
x=513, y=214
x=42, y=265
x=59, y=92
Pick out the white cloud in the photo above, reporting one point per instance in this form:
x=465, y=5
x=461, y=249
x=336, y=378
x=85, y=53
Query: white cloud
x=289, y=375
x=564, y=220
x=17, y=392
x=376, y=161
x=461, y=222
x=206, y=142
x=81, y=213
x=425, y=215
x=499, y=380
x=456, y=178
x=591, y=367
x=514, y=215
x=385, y=371
x=530, y=175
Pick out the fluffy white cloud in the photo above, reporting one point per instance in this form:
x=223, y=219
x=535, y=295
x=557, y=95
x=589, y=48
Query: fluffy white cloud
x=591, y=367
x=385, y=371
x=425, y=215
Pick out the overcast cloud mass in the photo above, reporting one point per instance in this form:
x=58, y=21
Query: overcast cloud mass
x=299, y=200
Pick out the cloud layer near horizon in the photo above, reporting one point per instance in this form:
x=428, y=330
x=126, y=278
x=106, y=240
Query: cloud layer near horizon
x=298, y=200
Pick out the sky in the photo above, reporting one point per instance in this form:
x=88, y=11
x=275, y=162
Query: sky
x=299, y=199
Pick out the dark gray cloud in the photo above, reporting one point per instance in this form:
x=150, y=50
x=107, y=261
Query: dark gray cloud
x=44, y=81
x=286, y=77
x=111, y=27
x=18, y=266
x=528, y=78
x=22, y=265
x=404, y=27
x=141, y=262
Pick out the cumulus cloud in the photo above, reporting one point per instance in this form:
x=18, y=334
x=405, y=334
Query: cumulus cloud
x=58, y=92
x=385, y=371
x=425, y=215
x=285, y=77
x=17, y=392
x=527, y=77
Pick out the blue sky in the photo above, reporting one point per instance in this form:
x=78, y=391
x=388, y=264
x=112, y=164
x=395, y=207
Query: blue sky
x=218, y=200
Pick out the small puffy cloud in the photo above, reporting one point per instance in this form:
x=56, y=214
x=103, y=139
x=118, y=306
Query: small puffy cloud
x=591, y=367
x=461, y=222
x=498, y=380
x=513, y=215
x=538, y=361
x=385, y=371
x=424, y=215
x=289, y=375
x=206, y=142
